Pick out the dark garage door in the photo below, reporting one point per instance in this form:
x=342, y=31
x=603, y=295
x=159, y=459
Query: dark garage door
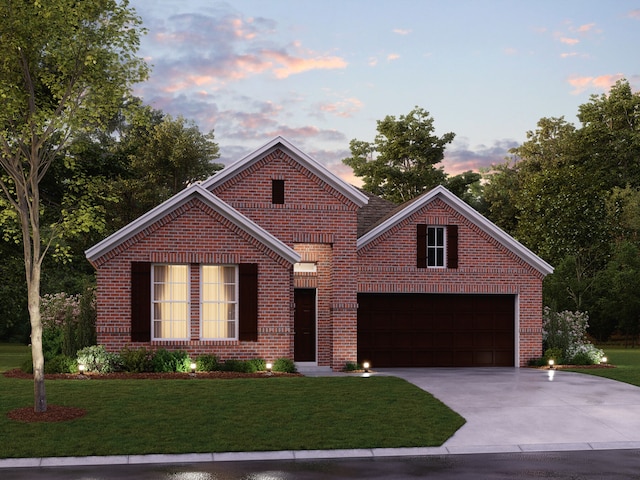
x=429, y=330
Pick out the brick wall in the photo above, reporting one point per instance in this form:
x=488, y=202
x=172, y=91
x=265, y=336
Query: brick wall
x=484, y=267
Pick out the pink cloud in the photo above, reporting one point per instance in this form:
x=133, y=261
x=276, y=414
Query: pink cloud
x=291, y=65
x=401, y=31
x=569, y=41
x=603, y=82
x=344, y=108
x=634, y=13
x=586, y=28
x=393, y=56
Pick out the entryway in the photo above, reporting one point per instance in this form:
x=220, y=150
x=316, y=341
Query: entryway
x=305, y=325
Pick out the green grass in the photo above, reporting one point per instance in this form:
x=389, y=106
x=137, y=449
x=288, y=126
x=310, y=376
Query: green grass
x=12, y=355
x=627, y=362
x=192, y=416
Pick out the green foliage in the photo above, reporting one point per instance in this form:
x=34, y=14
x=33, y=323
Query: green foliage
x=350, y=367
x=399, y=164
x=256, y=365
x=207, y=363
x=165, y=361
x=60, y=364
x=96, y=359
x=555, y=354
x=285, y=365
x=136, y=360
x=565, y=338
x=234, y=365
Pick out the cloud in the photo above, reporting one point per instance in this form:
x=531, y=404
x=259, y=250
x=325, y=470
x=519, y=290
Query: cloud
x=291, y=65
x=393, y=56
x=345, y=108
x=511, y=51
x=401, y=31
x=373, y=61
x=634, y=13
x=460, y=157
x=585, y=28
x=603, y=82
x=569, y=41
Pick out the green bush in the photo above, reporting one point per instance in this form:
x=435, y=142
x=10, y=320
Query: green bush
x=234, y=365
x=96, y=359
x=256, y=365
x=136, y=360
x=554, y=354
x=207, y=363
x=351, y=367
x=52, y=341
x=27, y=366
x=165, y=361
x=61, y=364
x=284, y=365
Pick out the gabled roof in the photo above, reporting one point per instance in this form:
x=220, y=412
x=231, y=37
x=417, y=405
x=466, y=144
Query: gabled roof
x=349, y=191
x=181, y=198
x=373, y=212
x=469, y=213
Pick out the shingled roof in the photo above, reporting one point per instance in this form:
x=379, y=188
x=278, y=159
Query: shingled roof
x=373, y=212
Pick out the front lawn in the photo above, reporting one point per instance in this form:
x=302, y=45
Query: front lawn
x=192, y=416
x=13, y=355
x=626, y=361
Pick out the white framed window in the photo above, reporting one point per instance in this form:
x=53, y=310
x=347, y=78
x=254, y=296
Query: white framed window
x=219, y=302
x=436, y=247
x=170, y=302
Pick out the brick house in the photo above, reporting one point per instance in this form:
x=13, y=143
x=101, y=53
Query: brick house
x=275, y=256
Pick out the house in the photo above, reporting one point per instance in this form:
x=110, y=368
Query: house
x=275, y=256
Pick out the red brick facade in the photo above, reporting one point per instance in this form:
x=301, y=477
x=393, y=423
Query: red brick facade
x=316, y=223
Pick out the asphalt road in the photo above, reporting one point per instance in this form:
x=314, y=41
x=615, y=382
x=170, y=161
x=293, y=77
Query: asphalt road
x=587, y=465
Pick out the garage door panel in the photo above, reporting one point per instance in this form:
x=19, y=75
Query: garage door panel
x=436, y=330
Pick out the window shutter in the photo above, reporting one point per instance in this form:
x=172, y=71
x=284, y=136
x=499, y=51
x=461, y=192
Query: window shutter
x=248, y=302
x=421, y=242
x=140, y=302
x=277, y=192
x=452, y=246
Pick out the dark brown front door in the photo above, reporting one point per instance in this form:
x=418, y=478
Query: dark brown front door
x=305, y=325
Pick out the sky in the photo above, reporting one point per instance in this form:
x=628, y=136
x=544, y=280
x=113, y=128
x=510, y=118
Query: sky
x=321, y=73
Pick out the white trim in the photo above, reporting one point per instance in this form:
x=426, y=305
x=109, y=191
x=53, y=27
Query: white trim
x=516, y=333
x=349, y=191
x=468, y=212
x=193, y=191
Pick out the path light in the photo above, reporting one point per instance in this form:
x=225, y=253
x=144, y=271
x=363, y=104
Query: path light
x=366, y=366
x=551, y=363
x=604, y=360
x=269, y=367
x=81, y=368
x=193, y=368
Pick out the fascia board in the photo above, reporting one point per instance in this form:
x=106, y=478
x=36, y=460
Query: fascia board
x=349, y=191
x=194, y=191
x=472, y=215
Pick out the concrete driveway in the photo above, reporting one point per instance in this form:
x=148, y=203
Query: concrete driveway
x=522, y=409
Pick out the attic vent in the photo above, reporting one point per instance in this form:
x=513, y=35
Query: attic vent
x=277, y=192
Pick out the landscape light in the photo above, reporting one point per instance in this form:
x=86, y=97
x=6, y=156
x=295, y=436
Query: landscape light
x=269, y=367
x=366, y=366
x=604, y=360
x=193, y=367
x=551, y=363
x=81, y=368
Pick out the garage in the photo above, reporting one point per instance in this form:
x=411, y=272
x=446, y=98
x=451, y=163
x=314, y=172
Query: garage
x=436, y=330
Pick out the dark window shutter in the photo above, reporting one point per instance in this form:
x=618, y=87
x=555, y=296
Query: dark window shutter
x=140, y=302
x=248, y=302
x=421, y=242
x=452, y=246
x=277, y=191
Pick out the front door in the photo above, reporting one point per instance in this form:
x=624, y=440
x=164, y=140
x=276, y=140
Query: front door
x=305, y=325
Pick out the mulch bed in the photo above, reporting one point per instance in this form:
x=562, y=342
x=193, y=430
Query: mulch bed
x=18, y=373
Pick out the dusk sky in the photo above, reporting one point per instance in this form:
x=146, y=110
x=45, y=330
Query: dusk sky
x=321, y=73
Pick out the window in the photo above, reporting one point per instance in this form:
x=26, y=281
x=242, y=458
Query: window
x=277, y=192
x=170, y=301
x=219, y=302
x=436, y=246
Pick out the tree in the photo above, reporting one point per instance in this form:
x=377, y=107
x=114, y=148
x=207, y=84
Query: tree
x=64, y=65
x=399, y=164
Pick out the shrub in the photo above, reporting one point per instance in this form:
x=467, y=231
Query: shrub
x=165, y=361
x=351, y=367
x=61, y=364
x=284, y=365
x=207, y=363
x=586, y=354
x=97, y=359
x=256, y=365
x=565, y=335
x=136, y=360
x=233, y=365
x=554, y=354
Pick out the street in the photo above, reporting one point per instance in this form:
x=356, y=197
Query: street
x=587, y=465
